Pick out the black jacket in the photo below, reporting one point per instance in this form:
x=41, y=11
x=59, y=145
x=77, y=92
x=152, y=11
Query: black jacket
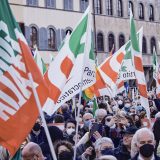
x=136, y=157
x=121, y=153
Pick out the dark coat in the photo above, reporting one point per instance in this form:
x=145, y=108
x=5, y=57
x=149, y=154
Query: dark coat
x=121, y=153
x=136, y=157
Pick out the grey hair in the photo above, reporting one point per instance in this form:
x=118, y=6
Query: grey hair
x=100, y=111
x=103, y=140
x=86, y=114
x=135, y=140
x=157, y=115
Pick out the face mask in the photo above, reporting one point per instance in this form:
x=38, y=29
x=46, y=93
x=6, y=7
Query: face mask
x=70, y=131
x=107, y=151
x=127, y=105
x=87, y=123
x=65, y=155
x=147, y=150
x=36, y=127
x=120, y=102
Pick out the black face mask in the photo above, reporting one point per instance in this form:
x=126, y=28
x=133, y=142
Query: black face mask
x=147, y=150
x=36, y=127
x=107, y=151
x=65, y=155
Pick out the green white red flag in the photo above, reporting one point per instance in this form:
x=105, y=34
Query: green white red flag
x=74, y=61
x=18, y=111
x=136, y=50
x=156, y=72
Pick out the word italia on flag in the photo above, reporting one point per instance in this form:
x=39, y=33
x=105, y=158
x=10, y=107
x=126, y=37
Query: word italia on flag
x=136, y=50
x=18, y=110
x=73, y=66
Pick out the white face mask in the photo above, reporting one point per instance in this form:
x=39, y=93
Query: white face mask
x=127, y=105
x=120, y=102
x=70, y=131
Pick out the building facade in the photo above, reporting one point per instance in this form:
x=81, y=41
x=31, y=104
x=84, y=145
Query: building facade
x=46, y=22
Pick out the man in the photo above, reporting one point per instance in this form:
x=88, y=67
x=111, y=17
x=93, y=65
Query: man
x=145, y=145
x=87, y=121
x=32, y=151
x=122, y=152
x=100, y=114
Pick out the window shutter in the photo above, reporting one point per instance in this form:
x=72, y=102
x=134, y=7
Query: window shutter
x=65, y=4
x=70, y=4
x=43, y=39
x=27, y=34
x=58, y=38
x=53, y=3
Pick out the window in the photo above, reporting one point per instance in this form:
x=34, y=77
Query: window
x=97, y=6
x=32, y=2
x=141, y=11
x=110, y=41
x=50, y=3
x=144, y=45
x=51, y=39
x=109, y=7
x=130, y=5
x=83, y=5
x=153, y=44
x=68, y=4
x=33, y=36
x=100, y=44
x=68, y=31
x=151, y=13
x=121, y=40
x=119, y=9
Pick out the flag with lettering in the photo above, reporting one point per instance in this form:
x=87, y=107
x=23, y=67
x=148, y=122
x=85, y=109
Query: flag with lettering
x=18, y=111
x=73, y=66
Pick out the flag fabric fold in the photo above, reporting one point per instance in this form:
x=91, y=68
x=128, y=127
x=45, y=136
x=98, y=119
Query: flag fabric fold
x=156, y=72
x=74, y=61
x=18, y=110
x=136, y=50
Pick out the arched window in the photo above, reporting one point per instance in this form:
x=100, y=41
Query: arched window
x=33, y=36
x=68, y=31
x=83, y=5
x=121, y=40
x=50, y=3
x=144, y=45
x=151, y=13
x=130, y=5
x=51, y=39
x=68, y=4
x=109, y=7
x=120, y=9
x=100, y=44
x=97, y=6
x=110, y=41
x=153, y=44
x=141, y=11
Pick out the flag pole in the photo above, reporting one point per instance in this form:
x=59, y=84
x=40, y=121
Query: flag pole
x=42, y=116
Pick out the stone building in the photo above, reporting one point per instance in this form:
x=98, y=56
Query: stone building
x=46, y=22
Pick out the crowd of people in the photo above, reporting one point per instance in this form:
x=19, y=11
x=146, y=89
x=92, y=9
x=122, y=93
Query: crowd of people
x=118, y=130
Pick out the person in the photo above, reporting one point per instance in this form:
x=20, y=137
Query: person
x=37, y=134
x=122, y=152
x=87, y=120
x=64, y=150
x=104, y=146
x=143, y=145
x=4, y=155
x=65, y=112
x=69, y=128
x=100, y=114
x=32, y=151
